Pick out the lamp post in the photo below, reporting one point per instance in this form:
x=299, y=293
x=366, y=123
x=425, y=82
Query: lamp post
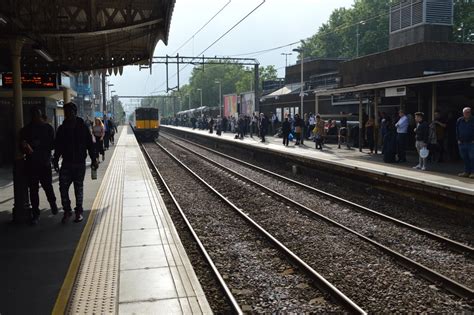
x=113, y=102
x=357, y=37
x=189, y=98
x=220, y=97
x=286, y=58
x=200, y=91
x=301, y=52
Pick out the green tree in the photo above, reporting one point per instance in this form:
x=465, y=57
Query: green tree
x=247, y=78
x=367, y=21
x=463, y=30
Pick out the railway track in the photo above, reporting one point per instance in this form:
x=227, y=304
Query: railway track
x=245, y=180
x=440, y=260
x=458, y=246
x=274, y=254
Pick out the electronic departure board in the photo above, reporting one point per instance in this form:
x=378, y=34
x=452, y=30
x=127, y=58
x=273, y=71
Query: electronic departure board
x=32, y=81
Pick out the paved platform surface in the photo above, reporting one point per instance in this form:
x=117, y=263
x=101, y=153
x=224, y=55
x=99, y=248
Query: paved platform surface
x=440, y=175
x=134, y=262
x=34, y=259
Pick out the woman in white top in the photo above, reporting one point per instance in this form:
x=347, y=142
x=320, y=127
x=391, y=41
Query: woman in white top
x=98, y=131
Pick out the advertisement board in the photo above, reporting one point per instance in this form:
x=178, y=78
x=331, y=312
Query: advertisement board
x=247, y=103
x=230, y=105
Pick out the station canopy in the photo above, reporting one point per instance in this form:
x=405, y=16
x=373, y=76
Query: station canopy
x=82, y=35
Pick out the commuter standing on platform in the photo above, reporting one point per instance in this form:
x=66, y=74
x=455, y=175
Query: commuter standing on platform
x=312, y=122
x=113, y=130
x=402, y=134
x=465, y=137
x=263, y=126
x=274, y=123
x=73, y=141
x=422, y=132
x=37, y=141
x=211, y=125
x=98, y=131
x=319, y=132
x=89, y=123
x=298, y=129
x=286, y=129
x=107, y=132
x=369, y=133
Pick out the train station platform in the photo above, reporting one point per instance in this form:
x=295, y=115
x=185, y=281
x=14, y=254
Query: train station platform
x=442, y=177
x=125, y=257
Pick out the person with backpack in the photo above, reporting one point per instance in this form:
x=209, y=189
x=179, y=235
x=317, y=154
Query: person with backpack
x=73, y=142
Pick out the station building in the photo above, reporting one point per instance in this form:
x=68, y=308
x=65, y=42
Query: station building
x=423, y=70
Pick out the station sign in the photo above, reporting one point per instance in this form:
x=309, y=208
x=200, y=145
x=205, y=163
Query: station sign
x=32, y=81
x=396, y=91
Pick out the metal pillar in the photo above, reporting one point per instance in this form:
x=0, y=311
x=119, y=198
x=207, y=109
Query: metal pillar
x=113, y=107
x=66, y=95
x=434, y=100
x=316, y=105
x=21, y=206
x=257, y=88
x=104, y=94
x=376, y=122
x=302, y=86
x=361, y=121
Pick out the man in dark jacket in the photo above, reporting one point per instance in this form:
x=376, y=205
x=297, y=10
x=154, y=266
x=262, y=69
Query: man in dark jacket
x=285, y=129
x=422, y=132
x=37, y=141
x=465, y=137
x=263, y=126
x=73, y=141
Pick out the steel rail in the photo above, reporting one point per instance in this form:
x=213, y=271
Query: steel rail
x=234, y=304
x=458, y=246
x=321, y=282
x=429, y=274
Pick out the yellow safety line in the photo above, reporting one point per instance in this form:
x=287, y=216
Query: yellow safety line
x=65, y=292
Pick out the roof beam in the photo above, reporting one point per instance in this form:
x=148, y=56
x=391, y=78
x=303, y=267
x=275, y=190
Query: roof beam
x=105, y=31
x=459, y=75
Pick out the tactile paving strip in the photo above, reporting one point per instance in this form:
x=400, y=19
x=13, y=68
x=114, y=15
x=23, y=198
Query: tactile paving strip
x=96, y=287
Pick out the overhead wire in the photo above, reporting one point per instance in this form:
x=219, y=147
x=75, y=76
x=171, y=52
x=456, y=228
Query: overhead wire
x=197, y=32
x=217, y=40
x=259, y=52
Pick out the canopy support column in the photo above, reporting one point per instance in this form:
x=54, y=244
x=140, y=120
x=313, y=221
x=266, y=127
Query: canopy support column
x=21, y=206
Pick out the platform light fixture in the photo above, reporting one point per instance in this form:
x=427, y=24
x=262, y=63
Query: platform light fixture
x=43, y=53
x=200, y=91
x=3, y=20
x=301, y=52
x=220, y=96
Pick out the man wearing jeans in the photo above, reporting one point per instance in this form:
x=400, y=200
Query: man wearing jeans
x=402, y=134
x=465, y=137
x=73, y=141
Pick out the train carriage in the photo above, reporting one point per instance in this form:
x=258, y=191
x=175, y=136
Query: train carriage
x=146, y=123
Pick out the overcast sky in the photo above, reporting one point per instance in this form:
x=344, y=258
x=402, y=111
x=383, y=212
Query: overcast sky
x=275, y=23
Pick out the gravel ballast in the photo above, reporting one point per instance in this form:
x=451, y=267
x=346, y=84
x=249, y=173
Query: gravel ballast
x=259, y=276
x=422, y=249
x=359, y=270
